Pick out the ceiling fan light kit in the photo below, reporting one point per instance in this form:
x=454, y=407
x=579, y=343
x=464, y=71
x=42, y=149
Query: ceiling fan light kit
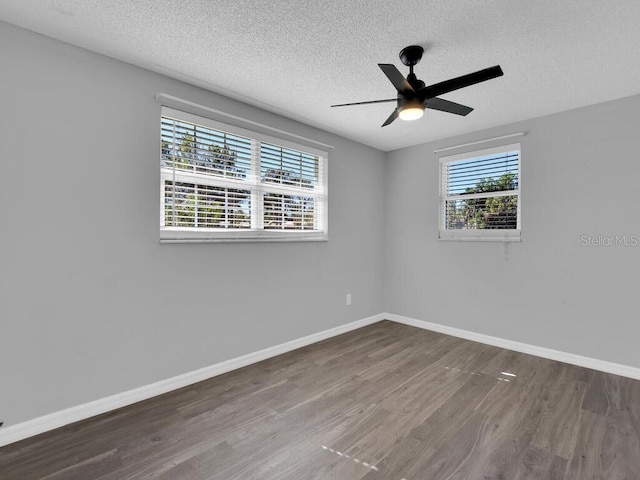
x=413, y=96
x=411, y=109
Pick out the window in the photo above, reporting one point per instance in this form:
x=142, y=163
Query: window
x=223, y=183
x=480, y=195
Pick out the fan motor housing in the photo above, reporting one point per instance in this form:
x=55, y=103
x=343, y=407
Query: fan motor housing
x=404, y=101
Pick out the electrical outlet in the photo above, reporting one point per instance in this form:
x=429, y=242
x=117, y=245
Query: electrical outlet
x=348, y=299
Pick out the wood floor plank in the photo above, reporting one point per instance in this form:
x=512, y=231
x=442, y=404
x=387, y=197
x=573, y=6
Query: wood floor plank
x=502, y=445
x=387, y=401
x=557, y=431
x=406, y=459
x=199, y=466
x=537, y=463
x=90, y=468
x=602, y=396
x=608, y=448
x=448, y=461
x=437, y=428
x=630, y=398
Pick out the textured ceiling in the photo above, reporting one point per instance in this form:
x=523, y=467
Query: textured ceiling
x=296, y=58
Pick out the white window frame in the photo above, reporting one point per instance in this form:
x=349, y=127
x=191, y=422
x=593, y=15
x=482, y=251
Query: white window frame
x=499, y=235
x=253, y=183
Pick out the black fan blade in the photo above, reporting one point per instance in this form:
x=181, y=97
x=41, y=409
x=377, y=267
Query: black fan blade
x=396, y=77
x=366, y=103
x=460, y=82
x=391, y=118
x=447, y=106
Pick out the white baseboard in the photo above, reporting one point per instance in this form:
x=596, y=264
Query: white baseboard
x=58, y=419
x=579, y=360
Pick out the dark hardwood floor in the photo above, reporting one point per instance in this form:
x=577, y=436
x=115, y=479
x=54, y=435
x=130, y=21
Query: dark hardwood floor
x=385, y=402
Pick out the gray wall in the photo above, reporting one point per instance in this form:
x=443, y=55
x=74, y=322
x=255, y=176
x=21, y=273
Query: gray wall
x=90, y=303
x=580, y=172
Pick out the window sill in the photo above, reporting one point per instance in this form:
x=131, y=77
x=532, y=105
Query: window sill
x=241, y=237
x=480, y=235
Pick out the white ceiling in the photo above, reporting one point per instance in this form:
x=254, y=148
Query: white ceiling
x=296, y=58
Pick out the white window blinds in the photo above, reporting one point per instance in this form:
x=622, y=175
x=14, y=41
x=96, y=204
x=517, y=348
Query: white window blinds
x=220, y=182
x=480, y=195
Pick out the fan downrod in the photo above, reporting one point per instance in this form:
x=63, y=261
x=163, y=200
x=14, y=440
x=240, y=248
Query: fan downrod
x=411, y=55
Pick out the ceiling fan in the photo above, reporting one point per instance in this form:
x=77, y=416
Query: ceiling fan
x=413, y=96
